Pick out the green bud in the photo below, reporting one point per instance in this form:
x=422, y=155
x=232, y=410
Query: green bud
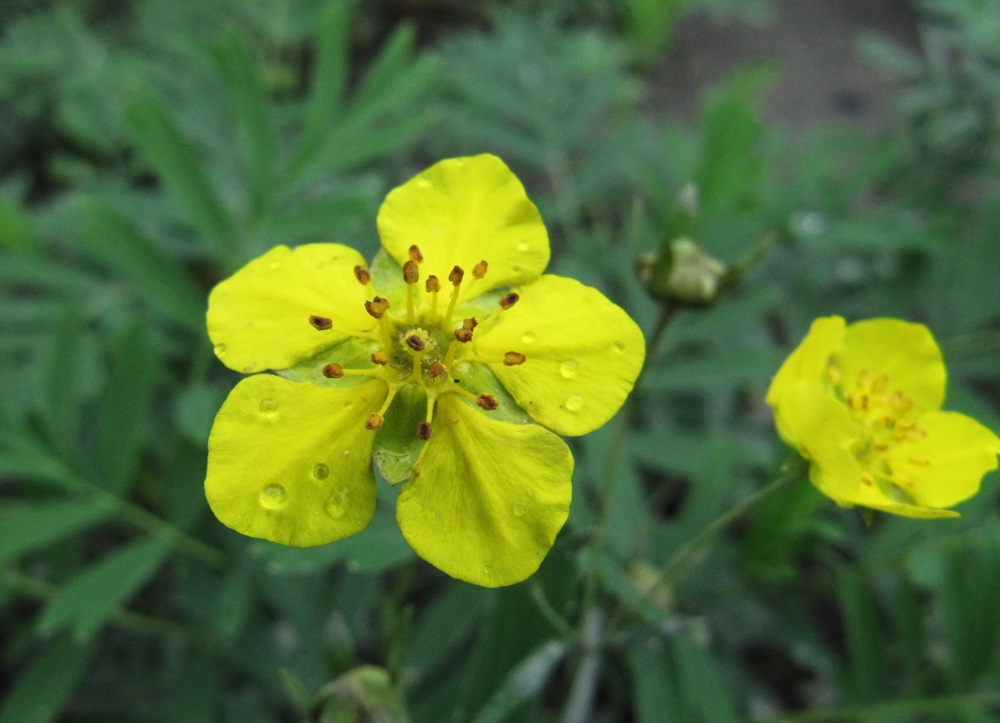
x=680, y=273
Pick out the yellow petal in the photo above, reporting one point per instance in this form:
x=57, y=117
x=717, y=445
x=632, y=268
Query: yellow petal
x=461, y=211
x=947, y=465
x=291, y=462
x=809, y=361
x=904, y=352
x=258, y=318
x=489, y=498
x=582, y=353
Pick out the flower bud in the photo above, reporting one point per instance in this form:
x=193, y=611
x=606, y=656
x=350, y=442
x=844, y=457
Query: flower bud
x=682, y=274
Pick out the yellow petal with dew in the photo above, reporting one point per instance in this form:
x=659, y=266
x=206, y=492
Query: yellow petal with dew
x=582, y=353
x=904, y=352
x=489, y=497
x=461, y=211
x=291, y=462
x=947, y=465
x=808, y=363
x=259, y=318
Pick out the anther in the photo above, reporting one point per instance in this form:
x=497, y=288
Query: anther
x=415, y=254
x=456, y=276
x=464, y=334
x=509, y=300
x=867, y=479
x=513, y=358
x=487, y=402
x=415, y=342
x=363, y=276
x=432, y=285
x=411, y=274
x=374, y=421
x=321, y=323
x=380, y=357
x=424, y=431
x=377, y=306
x=479, y=270
x=436, y=369
x=333, y=371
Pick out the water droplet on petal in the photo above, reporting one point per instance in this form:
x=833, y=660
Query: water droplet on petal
x=275, y=264
x=568, y=369
x=320, y=471
x=487, y=570
x=423, y=183
x=268, y=407
x=523, y=245
x=336, y=506
x=518, y=510
x=618, y=346
x=273, y=496
x=220, y=350
x=574, y=403
x=528, y=337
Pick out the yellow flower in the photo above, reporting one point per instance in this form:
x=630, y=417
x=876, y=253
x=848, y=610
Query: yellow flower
x=863, y=404
x=448, y=362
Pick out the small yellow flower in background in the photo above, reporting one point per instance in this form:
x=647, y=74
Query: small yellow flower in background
x=452, y=362
x=862, y=402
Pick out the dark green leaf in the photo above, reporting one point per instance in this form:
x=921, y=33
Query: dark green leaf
x=25, y=527
x=43, y=687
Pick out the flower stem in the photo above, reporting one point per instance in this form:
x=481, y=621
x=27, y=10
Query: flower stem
x=793, y=471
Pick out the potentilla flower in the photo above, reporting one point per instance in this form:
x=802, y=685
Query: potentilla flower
x=862, y=402
x=453, y=362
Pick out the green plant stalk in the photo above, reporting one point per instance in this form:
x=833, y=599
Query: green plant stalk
x=932, y=706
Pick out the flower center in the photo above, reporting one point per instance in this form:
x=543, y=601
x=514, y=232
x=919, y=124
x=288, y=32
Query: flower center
x=422, y=344
x=888, y=431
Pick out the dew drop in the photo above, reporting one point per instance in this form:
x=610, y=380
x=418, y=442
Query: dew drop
x=574, y=403
x=487, y=570
x=275, y=265
x=320, y=471
x=618, y=346
x=336, y=506
x=528, y=337
x=273, y=496
x=268, y=407
x=523, y=245
x=423, y=183
x=568, y=369
x=220, y=350
x=518, y=510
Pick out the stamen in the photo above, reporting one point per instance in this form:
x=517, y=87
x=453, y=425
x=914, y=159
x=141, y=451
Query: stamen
x=376, y=307
x=464, y=334
x=479, y=270
x=374, y=421
x=433, y=286
x=509, y=300
x=415, y=254
x=363, y=276
x=864, y=377
x=415, y=342
x=380, y=357
x=880, y=383
x=411, y=274
x=920, y=461
x=333, y=371
x=833, y=375
x=487, y=402
x=867, y=479
x=320, y=323
x=436, y=369
x=424, y=431
x=513, y=358
x=336, y=371
x=455, y=277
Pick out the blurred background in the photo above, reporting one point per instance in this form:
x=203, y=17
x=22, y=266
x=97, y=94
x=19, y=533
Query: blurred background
x=148, y=149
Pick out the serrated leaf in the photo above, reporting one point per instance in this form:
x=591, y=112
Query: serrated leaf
x=85, y=602
x=43, y=687
x=181, y=168
x=116, y=242
x=25, y=527
x=329, y=75
x=241, y=75
x=26, y=459
x=125, y=406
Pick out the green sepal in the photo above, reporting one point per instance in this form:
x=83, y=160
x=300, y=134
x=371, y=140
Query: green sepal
x=354, y=353
x=396, y=443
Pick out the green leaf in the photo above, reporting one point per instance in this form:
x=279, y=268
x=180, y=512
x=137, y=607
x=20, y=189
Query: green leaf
x=25, y=459
x=241, y=75
x=44, y=686
x=524, y=683
x=116, y=242
x=654, y=689
x=25, y=527
x=330, y=69
x=64, y=389
x=125, y=407
x=866, y=667
x=86, y=601
x=180, y=166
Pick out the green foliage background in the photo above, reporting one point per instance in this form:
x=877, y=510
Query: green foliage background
x=151, y=148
